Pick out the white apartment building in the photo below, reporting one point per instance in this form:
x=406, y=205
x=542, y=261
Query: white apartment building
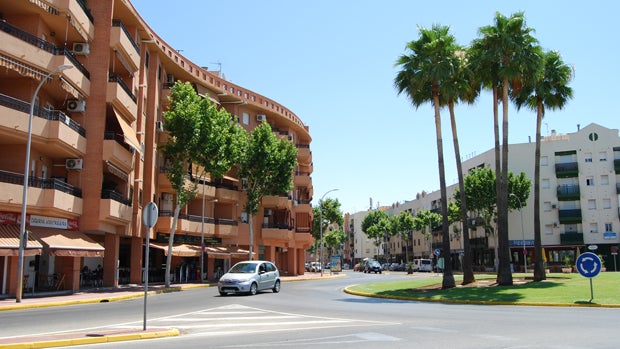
x=579, y=188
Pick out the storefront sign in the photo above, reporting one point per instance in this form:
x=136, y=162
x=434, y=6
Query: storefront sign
x=514, y=243
x=39, y=221
x=608, y=235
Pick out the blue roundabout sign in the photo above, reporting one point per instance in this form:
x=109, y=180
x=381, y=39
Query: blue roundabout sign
x=588, y=264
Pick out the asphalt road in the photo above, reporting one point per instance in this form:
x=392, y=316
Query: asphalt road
x=317, y=313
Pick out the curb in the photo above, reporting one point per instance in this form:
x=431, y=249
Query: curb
x=92, y=339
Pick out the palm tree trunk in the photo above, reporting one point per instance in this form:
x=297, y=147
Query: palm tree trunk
x=448, y=277
x=504, y=273
x=498, y=167
x=539, y=267
x=468, y=272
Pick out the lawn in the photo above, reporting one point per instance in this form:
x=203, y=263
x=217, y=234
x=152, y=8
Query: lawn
x=567, y=289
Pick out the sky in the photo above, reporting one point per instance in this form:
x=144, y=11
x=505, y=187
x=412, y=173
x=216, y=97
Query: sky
x=332, y=62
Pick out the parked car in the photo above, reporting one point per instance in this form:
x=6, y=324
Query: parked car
x=250, y=277
x=315, y=267
x=396, y=267
x=372, y=265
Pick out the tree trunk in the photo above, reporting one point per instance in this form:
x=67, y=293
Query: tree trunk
x=448, y=277
x=251, y=236
x=175, y=221
x=539, y=267
x=504, y=272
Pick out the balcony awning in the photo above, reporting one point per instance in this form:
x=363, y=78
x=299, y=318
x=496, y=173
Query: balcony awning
x=184, y=250
x=117, y=171
x=9, y=242
x=128, y=133
x=66, y=243
x=21, y=68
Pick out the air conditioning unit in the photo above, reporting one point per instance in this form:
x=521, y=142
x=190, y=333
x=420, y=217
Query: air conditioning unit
x=76, y=105
x=261, y=117
x=81, y=48
x=73, y=164
x=170, y=79
x=554, y=206
x=159, y=126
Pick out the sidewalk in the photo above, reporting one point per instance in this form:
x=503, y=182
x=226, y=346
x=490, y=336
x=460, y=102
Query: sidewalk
x=98, y=295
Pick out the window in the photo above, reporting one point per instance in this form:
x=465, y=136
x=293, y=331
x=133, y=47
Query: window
x=602, y=156
x=606, y=204
x=605, y=180
x=588, y=157
x=593, y=228
x=590, y=181
x=547, y=206
x=545, y=184
x=549, y=229
x=244, y=217
x=609, y=227
x=544, y=160
x=246, y=118
x=591, y=204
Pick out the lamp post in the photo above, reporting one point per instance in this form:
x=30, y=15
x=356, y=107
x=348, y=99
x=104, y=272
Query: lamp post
x=522, y=233
x=22, y=231
x=202, y=235
x=321, y=228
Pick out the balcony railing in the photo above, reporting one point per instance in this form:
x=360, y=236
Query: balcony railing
x=570, y=216
x=119, y=23
x=568, y=192
x=49, y=183
x=116, y=78
x=86, y=10
x=42, y=44
x=571, y=239
x=116, y=196
x=196, y=218
x=277, y=226
x=617, y=165
x=118, y=138
x=49, y=114
x=566, y=170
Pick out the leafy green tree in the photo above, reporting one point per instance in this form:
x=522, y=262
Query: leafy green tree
x=402, y=225
x=548, y=89
x=334, y=239
x=329, y=210
x=509, y=51
x=430, y=64
x=424, y=221
x=267, y=168
x=199, y=134
x=376, y=225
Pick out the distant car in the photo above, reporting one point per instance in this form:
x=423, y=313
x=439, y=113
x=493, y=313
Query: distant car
x=372, y=266
x=315, y=267
x=422, y=265
x=307, y=266
x=395, y=267
x=250, y=277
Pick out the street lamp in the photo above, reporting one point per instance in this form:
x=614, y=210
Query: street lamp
x=202, y=235
x=22, y=231
x=321, y=228
x=522, y=233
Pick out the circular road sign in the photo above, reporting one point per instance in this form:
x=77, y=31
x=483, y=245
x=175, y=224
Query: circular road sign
x=150, y=214
x=588, y=264
x=437, y=252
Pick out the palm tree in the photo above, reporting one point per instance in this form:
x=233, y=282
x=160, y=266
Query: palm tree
x=512, y=48
x=461, y=86
x=546, y=89
x=431, y=62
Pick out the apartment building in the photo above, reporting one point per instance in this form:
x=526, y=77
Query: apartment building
x=580, y=200
x=94, y=160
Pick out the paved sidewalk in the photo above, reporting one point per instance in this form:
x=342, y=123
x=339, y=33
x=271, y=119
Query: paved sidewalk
x=104, y=294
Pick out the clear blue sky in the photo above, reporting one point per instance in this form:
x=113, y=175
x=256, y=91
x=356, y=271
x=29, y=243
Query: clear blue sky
x=332, y=63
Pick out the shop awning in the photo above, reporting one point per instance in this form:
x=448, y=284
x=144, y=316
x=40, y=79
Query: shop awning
x=9, y=242
x=66, y=243
x=128, y=133
x=179, y=250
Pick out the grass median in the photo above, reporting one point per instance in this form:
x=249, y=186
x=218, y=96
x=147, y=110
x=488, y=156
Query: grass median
x=558, y=289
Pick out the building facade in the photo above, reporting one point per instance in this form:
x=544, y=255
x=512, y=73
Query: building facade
x=94, y=158
x=580, y=205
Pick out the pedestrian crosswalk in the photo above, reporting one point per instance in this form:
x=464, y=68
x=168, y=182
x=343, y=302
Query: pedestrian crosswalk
x=236, y=319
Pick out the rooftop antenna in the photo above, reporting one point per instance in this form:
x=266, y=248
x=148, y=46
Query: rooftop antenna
x=219, y=66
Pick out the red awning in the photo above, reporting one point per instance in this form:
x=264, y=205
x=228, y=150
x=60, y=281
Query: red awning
x=9, y=242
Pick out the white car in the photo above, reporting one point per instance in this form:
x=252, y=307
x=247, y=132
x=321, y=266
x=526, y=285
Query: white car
x=250, y=277
x=315, y=267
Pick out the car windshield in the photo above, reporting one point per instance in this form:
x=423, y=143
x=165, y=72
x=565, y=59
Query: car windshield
x=243, y=268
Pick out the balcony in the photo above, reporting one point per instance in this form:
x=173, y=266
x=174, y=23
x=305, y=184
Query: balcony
x=304, y=155
x=45, y=196
x=226, y=228
x=116, y=151
x=567, y=170
x=302, y=206
x=617, y=166
x=572, y=216
x=281, y=232
x=568, y=192
x=60, y=133
x=125, y=46
x=225, y=192
x=272, y=201
x=302, y=179
x=79, y=16
x=303, y=239
x=571, y=239
x=121, y=96
x=114, y=207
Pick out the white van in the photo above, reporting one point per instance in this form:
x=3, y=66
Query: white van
x=422, y=265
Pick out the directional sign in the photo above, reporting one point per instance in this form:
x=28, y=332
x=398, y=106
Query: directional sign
x=437, y=252
x=588, y=264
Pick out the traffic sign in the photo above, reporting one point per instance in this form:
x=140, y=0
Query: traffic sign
x=588, y=264
x=150, y=214
x=437, y=252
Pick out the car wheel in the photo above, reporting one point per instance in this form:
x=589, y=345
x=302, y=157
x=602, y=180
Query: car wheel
x=276, y=287
x=223, y=294
x=253, y=288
